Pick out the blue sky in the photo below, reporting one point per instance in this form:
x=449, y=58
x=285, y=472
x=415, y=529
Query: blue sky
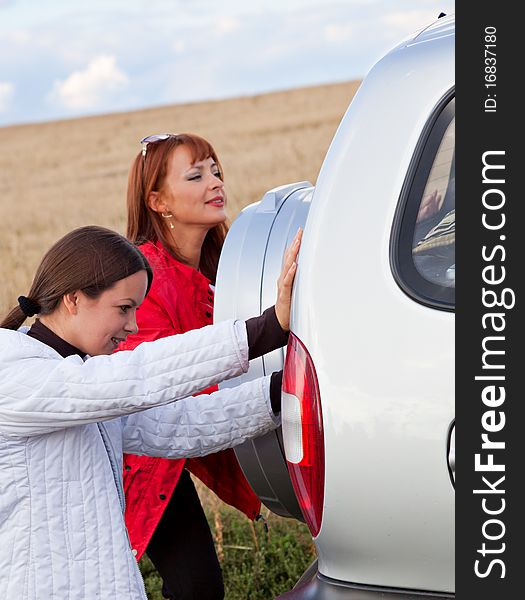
x=66, y=58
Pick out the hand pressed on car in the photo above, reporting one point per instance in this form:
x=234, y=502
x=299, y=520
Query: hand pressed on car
x=285, y=282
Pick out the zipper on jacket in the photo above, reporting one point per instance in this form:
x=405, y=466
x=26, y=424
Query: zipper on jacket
x=111, y=453
x=118, y=484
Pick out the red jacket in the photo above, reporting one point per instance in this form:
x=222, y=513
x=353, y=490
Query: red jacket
x=180, y=299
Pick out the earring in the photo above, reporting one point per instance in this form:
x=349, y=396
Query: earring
x=168, y=216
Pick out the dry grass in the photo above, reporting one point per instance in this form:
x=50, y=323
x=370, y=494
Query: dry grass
x=60, y=175
x=259, y=560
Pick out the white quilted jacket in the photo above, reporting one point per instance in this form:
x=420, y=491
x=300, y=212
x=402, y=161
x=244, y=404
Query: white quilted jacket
x=64, y=424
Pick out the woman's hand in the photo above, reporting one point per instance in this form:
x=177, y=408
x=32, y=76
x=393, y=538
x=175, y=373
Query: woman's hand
x=285, y=282
x=429, y=206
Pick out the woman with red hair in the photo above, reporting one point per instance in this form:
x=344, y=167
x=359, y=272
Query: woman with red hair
x=176, y=205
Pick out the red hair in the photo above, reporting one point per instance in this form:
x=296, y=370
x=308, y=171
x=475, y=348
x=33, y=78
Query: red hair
x=147, y=174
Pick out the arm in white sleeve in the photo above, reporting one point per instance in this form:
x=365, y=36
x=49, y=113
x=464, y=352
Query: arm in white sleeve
x=40, y=392
x=203, y=424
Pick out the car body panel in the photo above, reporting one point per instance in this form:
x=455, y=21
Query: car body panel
x=385, y=364
x=384, y=361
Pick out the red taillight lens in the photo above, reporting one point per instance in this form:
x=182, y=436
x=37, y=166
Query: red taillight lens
x=303, y=436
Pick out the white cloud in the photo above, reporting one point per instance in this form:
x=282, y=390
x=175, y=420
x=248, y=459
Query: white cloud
x=83, y=57
x=89, y=88
x=409, y=21
x=7, y=90
x=179, y=46
x=227, y=25
x=19, y=37
x=338, y=33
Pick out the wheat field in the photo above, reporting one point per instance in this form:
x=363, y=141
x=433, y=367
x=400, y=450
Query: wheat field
x=59, y=175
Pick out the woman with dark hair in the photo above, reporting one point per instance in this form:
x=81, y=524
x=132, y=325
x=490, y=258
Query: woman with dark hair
x=70, y=406
x=176, y=204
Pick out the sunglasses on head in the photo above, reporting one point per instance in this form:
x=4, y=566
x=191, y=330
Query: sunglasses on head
x=151, y=139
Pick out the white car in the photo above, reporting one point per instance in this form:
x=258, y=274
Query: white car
x=366, y=451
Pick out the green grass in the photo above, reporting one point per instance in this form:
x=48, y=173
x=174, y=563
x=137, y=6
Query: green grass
x=257, y=565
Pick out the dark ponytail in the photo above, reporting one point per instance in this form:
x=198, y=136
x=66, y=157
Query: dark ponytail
x=91, y=259
x=14, y=319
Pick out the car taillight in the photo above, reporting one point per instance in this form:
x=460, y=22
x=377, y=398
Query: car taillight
x=302, y=424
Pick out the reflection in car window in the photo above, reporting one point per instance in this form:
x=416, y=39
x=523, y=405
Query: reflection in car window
x=434, y=240
x=423, y=242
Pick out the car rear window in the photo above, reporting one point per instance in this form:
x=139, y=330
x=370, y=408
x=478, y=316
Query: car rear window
x=424, y=239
